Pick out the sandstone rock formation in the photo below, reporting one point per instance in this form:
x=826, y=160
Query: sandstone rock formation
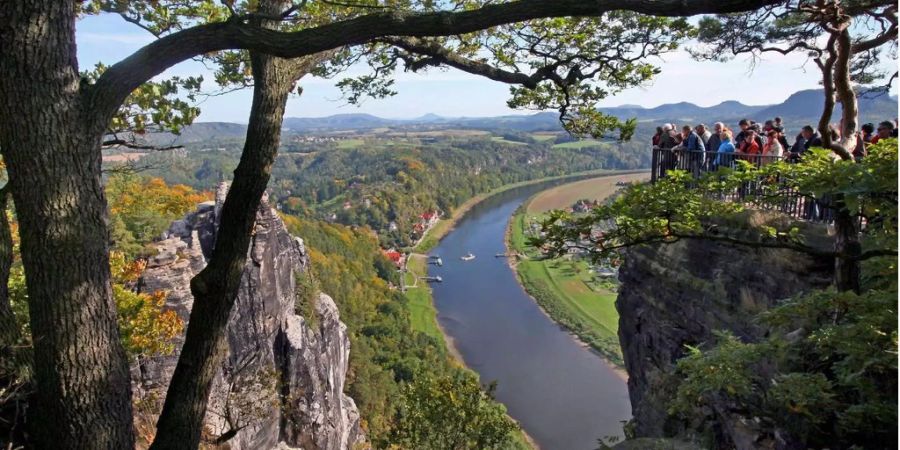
x=678, y=294
x=283, y=380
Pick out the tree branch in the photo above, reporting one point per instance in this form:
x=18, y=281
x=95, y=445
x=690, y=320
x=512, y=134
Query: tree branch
x=132, y=145
x=440, y=55
x=889, y=35
x=122, y=78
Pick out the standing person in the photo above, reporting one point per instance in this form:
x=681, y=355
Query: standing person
x=749, y=147
x=713, y=143
x=691, y=140
x=773, y=147
x=656, y=137
x=667, y=142
x=725, y=152
x=743, y=125
x=885, y=130
x=778, y=123
x=695, y=149
x=703, y=132
x=758, y=135
x=868, y=132
x=808, y=138
x=782, y=139
x=798, y=147
x=667, y=139
x=813, y=139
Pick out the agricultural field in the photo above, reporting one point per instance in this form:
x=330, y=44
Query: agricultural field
x=581, y=144
x=564, y=196
x=422, y=314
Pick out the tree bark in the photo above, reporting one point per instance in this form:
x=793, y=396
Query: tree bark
x=837, y=84
x=83, y=392
x=215, y=288
x=9, y=331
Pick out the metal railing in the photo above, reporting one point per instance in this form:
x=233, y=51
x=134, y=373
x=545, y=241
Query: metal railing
x=788, y=200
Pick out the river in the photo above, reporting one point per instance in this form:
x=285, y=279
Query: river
x=564, y=395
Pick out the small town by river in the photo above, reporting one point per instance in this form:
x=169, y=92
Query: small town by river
x=564, y=395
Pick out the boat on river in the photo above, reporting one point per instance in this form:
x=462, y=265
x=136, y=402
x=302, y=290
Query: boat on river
x=467, y=257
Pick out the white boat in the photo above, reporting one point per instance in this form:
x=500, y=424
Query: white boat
x=467, y=257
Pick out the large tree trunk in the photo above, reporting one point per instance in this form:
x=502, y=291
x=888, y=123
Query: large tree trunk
x=9, y=331
x=215, y=288
x=83, y=391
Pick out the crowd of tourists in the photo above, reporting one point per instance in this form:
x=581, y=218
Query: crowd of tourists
x=708, y=148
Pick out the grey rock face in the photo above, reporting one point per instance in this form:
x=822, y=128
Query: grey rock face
x=283, y=380
x=678, y=294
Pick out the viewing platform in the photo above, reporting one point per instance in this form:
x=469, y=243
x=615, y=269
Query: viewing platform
x=788, y=200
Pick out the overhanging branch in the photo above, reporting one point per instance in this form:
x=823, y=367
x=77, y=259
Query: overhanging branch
x=122, y=78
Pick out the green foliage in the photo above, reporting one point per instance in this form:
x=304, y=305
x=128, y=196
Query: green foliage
x=308, y=292
x=395, y=180
x=154, y=107
x=679, y=206
x=801, y=27
x=451, y=412
x=386, y=351
x=826, y=376
x=142, y=208
x=146, y=327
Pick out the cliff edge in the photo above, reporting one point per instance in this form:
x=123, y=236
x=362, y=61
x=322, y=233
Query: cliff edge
x=678, y=294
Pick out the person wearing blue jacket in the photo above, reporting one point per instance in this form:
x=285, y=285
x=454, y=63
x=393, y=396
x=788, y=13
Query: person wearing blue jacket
x=692, y=141
x=696, y=149
x=724, y=155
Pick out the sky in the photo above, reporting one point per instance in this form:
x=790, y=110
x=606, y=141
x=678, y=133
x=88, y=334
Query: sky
x=451, y=93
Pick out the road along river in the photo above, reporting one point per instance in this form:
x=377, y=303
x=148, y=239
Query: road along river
x=564, y=395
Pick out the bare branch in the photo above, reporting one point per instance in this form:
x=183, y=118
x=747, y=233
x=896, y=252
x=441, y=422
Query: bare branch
x=136, y=146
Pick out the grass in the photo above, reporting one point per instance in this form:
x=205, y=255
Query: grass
x=504, y=141
x=423, y=318
x=580, y=144
x=347, y=144
x=542, y=137
x=422, y=313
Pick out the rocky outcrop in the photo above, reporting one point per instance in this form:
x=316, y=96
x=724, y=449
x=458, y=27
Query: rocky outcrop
x=678, y=294
x=282, y=383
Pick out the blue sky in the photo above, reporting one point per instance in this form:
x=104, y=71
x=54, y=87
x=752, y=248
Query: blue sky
x=108, y=39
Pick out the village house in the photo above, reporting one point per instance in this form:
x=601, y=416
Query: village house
x=395, y=256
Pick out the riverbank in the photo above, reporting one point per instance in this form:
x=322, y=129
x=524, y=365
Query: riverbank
x=566, y=289
x=434, y=235
x=423, y=314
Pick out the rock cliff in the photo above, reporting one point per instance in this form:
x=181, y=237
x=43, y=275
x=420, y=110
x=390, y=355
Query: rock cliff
x=678, y=294
x=282, y=383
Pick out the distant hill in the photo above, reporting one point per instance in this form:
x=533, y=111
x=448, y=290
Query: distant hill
x=799, y=109
x=200, y=132
x=532, y=122
x=804, y=107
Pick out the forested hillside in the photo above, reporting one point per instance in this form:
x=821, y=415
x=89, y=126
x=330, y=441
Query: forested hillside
x=397, y=375
x=388, y=184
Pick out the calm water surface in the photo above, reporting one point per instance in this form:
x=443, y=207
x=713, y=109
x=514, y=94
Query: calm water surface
x=564, y=395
